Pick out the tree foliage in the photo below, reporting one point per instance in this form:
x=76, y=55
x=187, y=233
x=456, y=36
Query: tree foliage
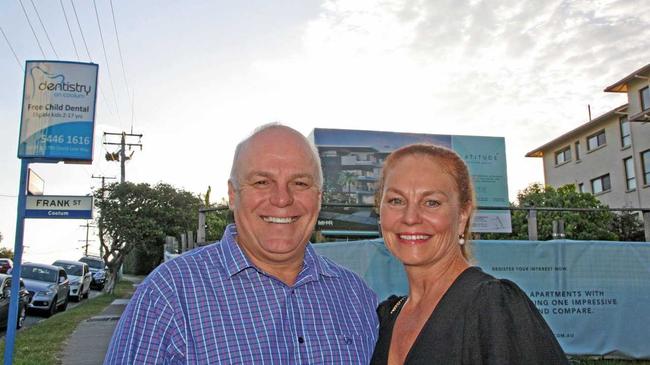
x=628, y=226
x=593, y=225
x=6, y=253
x=138, y=217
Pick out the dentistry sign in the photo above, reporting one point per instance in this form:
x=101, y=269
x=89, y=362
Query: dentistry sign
x=58, y=114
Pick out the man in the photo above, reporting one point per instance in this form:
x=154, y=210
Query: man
x=261, y=295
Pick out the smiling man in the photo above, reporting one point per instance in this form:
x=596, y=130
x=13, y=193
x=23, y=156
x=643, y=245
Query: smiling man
x=261, y=294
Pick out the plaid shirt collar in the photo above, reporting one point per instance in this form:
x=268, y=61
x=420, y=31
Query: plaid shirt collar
x=235, y=260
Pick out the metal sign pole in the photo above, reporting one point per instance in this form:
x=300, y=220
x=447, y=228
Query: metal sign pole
x=15, y=273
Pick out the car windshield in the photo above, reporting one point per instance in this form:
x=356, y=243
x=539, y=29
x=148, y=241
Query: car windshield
x=70, y=269
x=38, y=273
x=95, y=264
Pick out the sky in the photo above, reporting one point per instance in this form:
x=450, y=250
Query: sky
x=196, y=77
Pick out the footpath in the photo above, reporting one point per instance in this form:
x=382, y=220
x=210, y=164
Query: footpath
x=89, y=342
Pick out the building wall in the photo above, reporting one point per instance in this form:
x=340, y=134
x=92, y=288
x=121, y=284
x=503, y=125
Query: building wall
x=634, y=102
x=607, y=159
x=640, y=136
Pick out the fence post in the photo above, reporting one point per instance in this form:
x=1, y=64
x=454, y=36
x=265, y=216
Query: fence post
x=200, y=232
x=532, y=224
x=646, y=225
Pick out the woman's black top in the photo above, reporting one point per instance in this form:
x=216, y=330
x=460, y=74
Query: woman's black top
x=479, y=320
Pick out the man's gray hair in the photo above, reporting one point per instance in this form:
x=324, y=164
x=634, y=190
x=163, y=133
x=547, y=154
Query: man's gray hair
x=275, y=125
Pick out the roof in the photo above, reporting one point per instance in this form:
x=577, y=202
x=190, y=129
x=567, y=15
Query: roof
x=621, y=85
x=45, y=266
x=539, y=151
x=69, y=262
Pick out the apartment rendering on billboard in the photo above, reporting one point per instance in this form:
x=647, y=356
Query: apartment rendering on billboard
x=352, y=161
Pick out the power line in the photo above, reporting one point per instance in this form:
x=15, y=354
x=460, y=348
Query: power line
x=69, y=30
x=83, y=38
x=81, y=30
x=110, y=77
x=47, y=35
x=119, y=48
x=11, y=48
x=30, y=25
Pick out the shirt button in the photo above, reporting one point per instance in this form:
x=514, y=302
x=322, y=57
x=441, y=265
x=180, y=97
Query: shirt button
x=301, y=340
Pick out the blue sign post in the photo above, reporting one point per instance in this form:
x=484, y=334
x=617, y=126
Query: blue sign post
x=57, y=124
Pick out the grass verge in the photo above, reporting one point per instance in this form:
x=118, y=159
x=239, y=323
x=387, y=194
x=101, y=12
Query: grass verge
x=43, y=342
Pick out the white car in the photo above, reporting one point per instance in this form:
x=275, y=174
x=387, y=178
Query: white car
x=79, y=276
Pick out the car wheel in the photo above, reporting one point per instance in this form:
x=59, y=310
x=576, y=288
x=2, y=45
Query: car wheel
x=21, y=317
x=52, y=310
x=64, y=306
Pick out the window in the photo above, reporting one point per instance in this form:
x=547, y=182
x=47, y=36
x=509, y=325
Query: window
x=563, y=155
x=645, y=98
x=581, y=188
x=600, y=184
x=626, y=138
x=596, y=140
x=645, y=165
x=577, y=150
x=630, y=179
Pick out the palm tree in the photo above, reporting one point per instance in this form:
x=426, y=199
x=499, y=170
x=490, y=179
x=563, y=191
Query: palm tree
x=346, y=179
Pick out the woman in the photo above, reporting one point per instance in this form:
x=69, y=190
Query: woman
x=454, y=313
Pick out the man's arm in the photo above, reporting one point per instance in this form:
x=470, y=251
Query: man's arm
x=149, y=331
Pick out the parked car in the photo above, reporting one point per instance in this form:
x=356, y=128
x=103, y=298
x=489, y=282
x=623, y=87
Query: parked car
x=5, y=295
x=79, y=276
x=98, y=269
x=6, y=265
x=48, y=287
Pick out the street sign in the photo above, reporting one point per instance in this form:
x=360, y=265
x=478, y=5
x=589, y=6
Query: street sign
x=53, y=206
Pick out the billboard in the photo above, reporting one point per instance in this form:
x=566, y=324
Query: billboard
x=58, y=114
x=593, y=294
x=352, y=161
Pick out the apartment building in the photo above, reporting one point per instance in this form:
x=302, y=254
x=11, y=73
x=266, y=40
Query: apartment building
x=608, y=156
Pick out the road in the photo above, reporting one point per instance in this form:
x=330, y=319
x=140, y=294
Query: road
x=33, y=318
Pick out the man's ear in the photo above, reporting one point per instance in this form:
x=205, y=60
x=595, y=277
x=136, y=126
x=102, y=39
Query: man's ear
x=231, y=194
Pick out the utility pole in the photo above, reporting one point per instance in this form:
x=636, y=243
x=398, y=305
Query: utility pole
x=103, y=178
x=121, y=154
x=101, y=229
x=87, y=225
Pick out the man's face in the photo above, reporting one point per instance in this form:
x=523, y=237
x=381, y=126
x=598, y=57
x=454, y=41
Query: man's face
x=277, y=200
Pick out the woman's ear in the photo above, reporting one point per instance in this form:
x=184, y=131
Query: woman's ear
x=464, y=219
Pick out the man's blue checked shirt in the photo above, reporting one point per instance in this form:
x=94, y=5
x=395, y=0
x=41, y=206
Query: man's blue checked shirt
x=212, y=306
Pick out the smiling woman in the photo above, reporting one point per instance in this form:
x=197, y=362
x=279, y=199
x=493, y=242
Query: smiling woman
x=454, y=313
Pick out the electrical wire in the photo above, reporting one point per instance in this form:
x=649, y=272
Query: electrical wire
x=70, y=30
x=47, y=35
x=119, y=48
x=33, y=31
x=101, y=90
x=81, y=31
x=108, y=69
x=12, y=49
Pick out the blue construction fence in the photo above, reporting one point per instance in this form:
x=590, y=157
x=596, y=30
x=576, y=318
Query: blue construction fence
x=595, y=295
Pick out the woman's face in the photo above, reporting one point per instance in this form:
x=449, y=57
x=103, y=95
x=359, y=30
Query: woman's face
x=420, y=212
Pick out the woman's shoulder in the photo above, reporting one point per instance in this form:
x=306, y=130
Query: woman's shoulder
x=487, y=292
